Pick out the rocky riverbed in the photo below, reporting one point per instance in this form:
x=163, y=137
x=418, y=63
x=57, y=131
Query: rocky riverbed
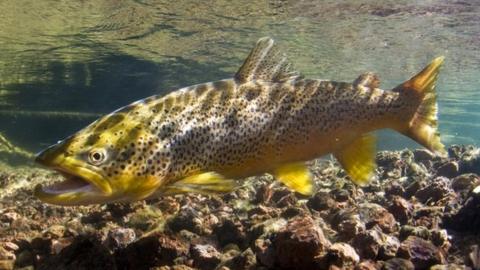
x=420, y=213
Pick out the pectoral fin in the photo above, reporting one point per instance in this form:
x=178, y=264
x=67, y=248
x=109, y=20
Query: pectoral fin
x=295, y=176
x=204, y=183
x=358, y=159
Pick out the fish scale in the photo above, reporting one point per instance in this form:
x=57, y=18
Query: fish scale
x=267, y=119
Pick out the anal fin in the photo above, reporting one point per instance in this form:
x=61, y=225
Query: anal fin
x=203, y=183
x=358, y=159
x=295, y=176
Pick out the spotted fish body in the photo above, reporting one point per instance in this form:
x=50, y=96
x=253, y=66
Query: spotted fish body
x=267, y=118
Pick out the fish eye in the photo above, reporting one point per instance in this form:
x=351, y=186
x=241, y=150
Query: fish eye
x=97, y=156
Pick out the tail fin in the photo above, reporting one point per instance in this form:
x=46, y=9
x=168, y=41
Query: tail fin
x=422, y=127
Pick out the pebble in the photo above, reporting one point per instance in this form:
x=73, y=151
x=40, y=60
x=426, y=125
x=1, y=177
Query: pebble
x=373, y=214
x=299, y=243
x=423, y=254
x=401, y=209
x=398, y=264
x=449, y=169
x=120, y=237
x=205, y=256
x=465, y=182
x=343, y=255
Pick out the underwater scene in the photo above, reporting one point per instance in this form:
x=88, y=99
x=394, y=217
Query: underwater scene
x=269, y=134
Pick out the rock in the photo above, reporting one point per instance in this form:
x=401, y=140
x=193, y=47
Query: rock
x=25, y=258
x=422, y=155
x=435, y=191
x=6, y=264
x=389, y=247
x=368, y=243
x=265, y=252
x=55, y=231
x=465, y=182
x=350, y=227
x=120, y=238
x=83, y=253
x=448, y=267
x=401, y=209
x=419, y=231
x=187, y=219
x=467, y=218
x=474, y=257
x=398, y=264
x=394, y=189
x=60, y=244
x=243, y=261
x=411, y=189
x=367, y=265
x=6, y=255
x=205, y=256
x=299, y=243
x=449, y=169
x=420, y=252
x=149, y=251
x=340, y=195
x=470, y=161
x=373, y=214
x=229, y=231
x=171, y=248
x=342, y=255
x=321, y=201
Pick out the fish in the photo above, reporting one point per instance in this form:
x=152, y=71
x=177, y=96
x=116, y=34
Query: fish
x=268, y=118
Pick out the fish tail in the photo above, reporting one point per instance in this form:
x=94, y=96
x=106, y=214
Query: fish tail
x=419, y=91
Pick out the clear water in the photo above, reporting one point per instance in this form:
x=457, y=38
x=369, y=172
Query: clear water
x=64, y=63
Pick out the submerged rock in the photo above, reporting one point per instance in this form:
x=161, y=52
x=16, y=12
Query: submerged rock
x=205, y=256
x=299, y=243
x=398, y=264
x=420, y=252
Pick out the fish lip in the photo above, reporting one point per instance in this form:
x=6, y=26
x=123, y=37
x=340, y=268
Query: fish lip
x=71, y=169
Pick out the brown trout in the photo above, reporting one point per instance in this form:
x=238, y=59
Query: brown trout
x=266, y=119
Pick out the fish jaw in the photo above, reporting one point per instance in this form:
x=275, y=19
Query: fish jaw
x=83, y=183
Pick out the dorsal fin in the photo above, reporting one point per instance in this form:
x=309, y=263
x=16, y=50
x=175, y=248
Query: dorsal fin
x=267, y=63
x=367, y=79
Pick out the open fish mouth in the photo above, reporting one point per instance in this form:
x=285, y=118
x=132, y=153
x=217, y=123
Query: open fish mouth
x=81, y=184
x=70, y=183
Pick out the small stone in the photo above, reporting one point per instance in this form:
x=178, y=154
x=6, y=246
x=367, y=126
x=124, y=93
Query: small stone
x=265, y=252
x=394, y=189
x=6, y=264
x=120, y=237
x=25, y=258
x=367, y=265
x=10, y=246
x=321, y=201
x=465, y=182
x=368, y=244
x=474, y=257
x=398, y=264
x=59, y=244
x=187, y=219
x=422, y=155
x=350, y=227
x=243, y=261
x=419, y=231
x=411, y=189
x=205, y=256
x=389, y=247
x=420, y=252
x=340, y=195
x=470, y=161
x=401, y=209
x=299, y=243
x=230, y=232
x=434, y=192
x=373, y=214
x=450, y=266
x=449, y=169
x=55, y=231
x=343, y=255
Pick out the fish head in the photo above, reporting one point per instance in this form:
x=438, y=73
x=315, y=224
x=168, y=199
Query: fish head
x=101, y=163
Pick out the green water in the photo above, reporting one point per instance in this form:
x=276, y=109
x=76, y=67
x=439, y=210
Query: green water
x=64, y=63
